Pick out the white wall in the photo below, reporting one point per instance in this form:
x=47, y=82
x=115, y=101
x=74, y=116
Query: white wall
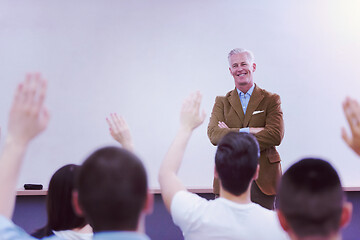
x=141, y=58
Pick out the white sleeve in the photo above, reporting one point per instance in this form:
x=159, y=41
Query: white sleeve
x=186, y=209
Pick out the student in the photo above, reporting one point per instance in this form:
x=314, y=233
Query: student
x=232, y=215
x=311, y=202
x=61, y=218
x=112, y=191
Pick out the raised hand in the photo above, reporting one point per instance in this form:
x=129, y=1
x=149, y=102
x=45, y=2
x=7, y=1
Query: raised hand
x=120, y=131
x=28, y=115
x=190, y=117
x=352, y=112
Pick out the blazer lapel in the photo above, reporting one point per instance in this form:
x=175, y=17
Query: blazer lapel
x=255, y=99
x=235, y=103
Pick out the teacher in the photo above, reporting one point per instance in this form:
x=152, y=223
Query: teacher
x=248, y=108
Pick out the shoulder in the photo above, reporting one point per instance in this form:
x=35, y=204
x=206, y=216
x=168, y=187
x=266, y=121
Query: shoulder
x=226, y=96
x=268, y=95
x=270, y=222
x=188, y=204
x=265, y=215
x=265, y=92
x=8, y=230
x=184, y=198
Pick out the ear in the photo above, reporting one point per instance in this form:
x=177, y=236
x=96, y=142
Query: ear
x=256, y=175
x=76, y=204
x=346, y=214
x=283, y=221
x=216, y=175
x=149, y=203
x=254, y=67
x=230, y=70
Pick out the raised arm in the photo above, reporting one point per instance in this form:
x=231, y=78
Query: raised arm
x=190, y=118
x=28, y=118
x=120, y=131
x=352, y=113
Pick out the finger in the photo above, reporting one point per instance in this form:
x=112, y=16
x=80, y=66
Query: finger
x=117, y=120
x=186, y=103
x=353, y=115
x=197, y=101
x=41, y=89
x=120, y=120
x=45, y=117
x=355, y=107
x=346, y=137
x=191, y=102
x=18, y=96
x=110, y=123
x=115, y=124
x=348, y=113
x=24, y=91
x=221, y=124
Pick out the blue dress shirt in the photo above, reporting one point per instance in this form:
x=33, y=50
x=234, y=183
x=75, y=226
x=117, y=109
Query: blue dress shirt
x=244, y=99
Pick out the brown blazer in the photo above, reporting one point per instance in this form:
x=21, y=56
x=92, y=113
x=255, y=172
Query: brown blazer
x=264, y=110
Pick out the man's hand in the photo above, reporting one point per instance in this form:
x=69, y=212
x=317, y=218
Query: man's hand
x=28, y=115
x=120, y=131
x=251, y=130
x=352, y=112
x=255, y=130
x=222, y=125
x=190, y=117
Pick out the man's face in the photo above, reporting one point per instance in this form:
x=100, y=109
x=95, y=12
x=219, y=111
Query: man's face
x=242, y=69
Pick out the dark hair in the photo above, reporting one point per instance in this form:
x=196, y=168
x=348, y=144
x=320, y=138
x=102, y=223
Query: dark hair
x=61, y=215
x=311, y=198
x=112, y=186
x=236, y=161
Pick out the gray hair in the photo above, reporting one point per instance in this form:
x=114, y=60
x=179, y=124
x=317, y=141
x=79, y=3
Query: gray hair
x=241, y=50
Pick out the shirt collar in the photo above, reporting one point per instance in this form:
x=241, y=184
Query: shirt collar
x=250, y=91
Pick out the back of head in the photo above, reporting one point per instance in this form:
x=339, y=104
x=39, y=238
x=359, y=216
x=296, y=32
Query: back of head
x=311, y=198
x=112, y=187
x=61, y=215
x=236, y=161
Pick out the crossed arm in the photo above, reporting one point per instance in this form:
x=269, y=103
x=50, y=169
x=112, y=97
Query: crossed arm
x=190, y=118
x=251, y=130
x=28, y=118
x=352, y=113
x=268, y=136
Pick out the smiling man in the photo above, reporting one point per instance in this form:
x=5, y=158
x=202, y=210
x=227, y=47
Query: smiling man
x=248, y=108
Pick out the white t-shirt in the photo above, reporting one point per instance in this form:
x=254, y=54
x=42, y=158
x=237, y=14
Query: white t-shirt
x=73, y=235
x=223, y=219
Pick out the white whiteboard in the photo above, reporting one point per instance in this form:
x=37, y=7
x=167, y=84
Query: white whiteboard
x=141, y=58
